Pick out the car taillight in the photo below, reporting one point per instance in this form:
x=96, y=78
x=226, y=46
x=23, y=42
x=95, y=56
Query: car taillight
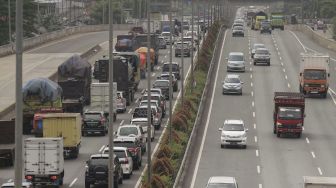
x=103, y=120
x=132, y=150
x=29, y=177
x=53, y=178
x=124, y=161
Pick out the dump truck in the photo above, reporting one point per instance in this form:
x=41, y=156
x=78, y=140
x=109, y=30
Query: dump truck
x=65, y=125
x=122, y=74
x=314, y=74
x=125, y=43
x=74, y=77
x=7, y=142
x=288, y=113
x=39, y=94
x=43, y=161
x=319, y=182
x=256, y=20
x=277, y=20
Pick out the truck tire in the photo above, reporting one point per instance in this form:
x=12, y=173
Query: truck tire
x=298, y=135
x=283, y=28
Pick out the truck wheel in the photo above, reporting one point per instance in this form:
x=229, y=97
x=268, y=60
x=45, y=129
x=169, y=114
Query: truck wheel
x=324, y=95
x=274, y=130
x=298, y=135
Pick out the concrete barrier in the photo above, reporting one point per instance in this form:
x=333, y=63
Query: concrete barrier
x=316, y=37
x=47, y=37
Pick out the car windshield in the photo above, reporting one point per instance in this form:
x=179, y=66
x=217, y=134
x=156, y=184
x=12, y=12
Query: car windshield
x=92, y=116
x=262, y=52
x=145, y=98
x=119, y=153
x=289, y=113
x=236, y=58
x=221, y=185
x=258, y=46
x=232, y=80
x=140, y=123
x=314, y=74
x=233, y=127
x=165, y=68
x=125, y=131
x=187, y=39
x=161, y=84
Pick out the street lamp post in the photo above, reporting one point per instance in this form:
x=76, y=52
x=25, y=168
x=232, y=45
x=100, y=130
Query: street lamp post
x=192, y=44
x=182, y=55
x=9, y=24
x=170, y=72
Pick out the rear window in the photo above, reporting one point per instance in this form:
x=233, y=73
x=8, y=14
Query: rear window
x=99, y=161
x=125, y=131
x=140, y=112
x=119, y=154
x=92, y=116
x=165, y=68
x=159, y=83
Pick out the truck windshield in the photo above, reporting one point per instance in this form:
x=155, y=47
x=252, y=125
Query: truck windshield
x=159, y=83
x=288, y=113
x=314, y=74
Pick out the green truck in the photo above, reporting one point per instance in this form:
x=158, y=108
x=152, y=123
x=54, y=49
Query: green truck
x=277, y=21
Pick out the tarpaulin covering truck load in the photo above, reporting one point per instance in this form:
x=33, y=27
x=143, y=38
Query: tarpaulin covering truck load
x=288, y=113
x=319, y=182
x=277, y=21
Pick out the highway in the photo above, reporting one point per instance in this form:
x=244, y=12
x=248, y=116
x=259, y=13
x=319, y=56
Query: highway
x=268, y=161
x=75, y=169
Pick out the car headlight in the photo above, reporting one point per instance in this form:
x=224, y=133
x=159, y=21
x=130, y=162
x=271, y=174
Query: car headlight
x=306, y=85
x=243, y=135
x=279, y=124
x=225, y=86
x=299, y=124
x=323, y=86
x=224, y=136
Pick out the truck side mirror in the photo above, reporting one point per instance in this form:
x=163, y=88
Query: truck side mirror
x=328, y=74
x=220, y=129
x=300, y=73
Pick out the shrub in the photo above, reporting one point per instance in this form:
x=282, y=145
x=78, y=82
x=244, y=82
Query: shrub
x=163, y=166
x=164, y=151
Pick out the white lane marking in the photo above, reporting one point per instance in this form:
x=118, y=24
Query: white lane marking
x=297, y=38
x=258, y=169
x=255, y=126
x=252, y=103
x=253, y=114
x=330, y=91
x=250, y=62
x=251, y=76
x=284, y=70
x=307, y=140
x=130, y=110
x=250, y=68
x=303, y=128
x=252, y=93
x=280, y=58
x=282, y=64
x=73, y=182
x=279, y=53
x=251, y=84
x=122, y=122
x=288, y=85
x=255, y=139
x=208, y=118
x=143, y=91
x=165, y=56
x=286, y=77
x=137, y=100
x=158, y=68
x=260, y=185
x=153, y=74
x=313, y=154
x=257, y=153
x=275, y=44
x=319, y=170
x=101, y=149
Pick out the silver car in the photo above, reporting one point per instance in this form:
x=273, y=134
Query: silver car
x=232, y=84
x=262, y=55
x=233, y=133
x=255, y=47
x=236, y=62
x=222, y=181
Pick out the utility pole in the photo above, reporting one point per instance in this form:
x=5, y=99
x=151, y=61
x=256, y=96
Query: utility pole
x=198, y=30
x=10, y=24
x=182, y=55
x=302, y=21
x=149, y=109
x=170, y=71
x=192, y=44
x=110, y=131
x=18, y=93
x=103, y=18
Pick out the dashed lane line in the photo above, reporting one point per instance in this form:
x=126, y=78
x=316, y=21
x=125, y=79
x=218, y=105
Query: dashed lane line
x=73, y=182
x=288, y=85
x=122, y=122
x=307, y=140
x=320, y=171
x=255, y=139
x=257, y=153
x=255, y=126
x=101, y=149
x=130, y=110
x=252, y=103
x=313, y=154
x=253, y=114
x=258, y=169
x=252, y=93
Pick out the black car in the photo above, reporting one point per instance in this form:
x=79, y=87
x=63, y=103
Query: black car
x=133, y=145
x=95, y=122
x=164, y=86
x=97, y=170
x=175, y=69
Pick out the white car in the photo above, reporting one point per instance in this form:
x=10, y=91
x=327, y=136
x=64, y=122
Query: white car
x=233, y=133
x=121, y=102
x=222, y=181
x=255, y=47
x=125, y=159
x=133, y=131
x=144, y=123
x=236, y=62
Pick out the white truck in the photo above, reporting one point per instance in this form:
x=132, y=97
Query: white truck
x=100, y=97
x=43, y=161
x=319, y=182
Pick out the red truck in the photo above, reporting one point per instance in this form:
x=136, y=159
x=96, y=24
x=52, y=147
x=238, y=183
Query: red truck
x=288, y=113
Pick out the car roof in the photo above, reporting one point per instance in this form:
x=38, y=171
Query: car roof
x=99, y=156
x=152, y=94
x=233, y=121
x=159, y=80
x=233, y=76
x=139, y=119
x=116, y=148
x=169, y=63
x=166, y=74
x=128, y=125
x=221, y=179
x=146, y=101
x=236, y=53
x=262, y=49
x=258, y=44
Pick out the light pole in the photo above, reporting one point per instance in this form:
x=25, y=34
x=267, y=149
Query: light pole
x=9, y=24
x=192, y=44
x=182, y=55
x=198, y=30
x=170, y=72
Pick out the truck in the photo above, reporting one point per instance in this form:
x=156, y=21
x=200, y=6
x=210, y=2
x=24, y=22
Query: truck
x=100, y=97
x=74, y=77
x=141, y=41
x=319, y=182
x=288, y=114
x=43, y=161
x=277, y=20
x=256, y=20
x=125, y=43
x=38, y=94
x=65, y=125
x=122, y=74
x=314, y=74
x=7, y=142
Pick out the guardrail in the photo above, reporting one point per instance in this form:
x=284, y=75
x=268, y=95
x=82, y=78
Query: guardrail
x=47, y=37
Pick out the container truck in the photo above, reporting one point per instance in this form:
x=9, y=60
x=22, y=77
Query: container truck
x=43, y=161
x=314, y=74
x=65, y=125
x=288, y=113
x=7, y=142
x=319, y=182
x=277, y=20
x=256, y=20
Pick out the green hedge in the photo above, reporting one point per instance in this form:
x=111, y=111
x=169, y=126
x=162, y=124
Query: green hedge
x=169, y=155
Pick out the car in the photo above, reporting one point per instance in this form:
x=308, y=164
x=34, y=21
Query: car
x=11, y=185
x=166, y=35
x=265, y=27
x=133, y=146
x=262, y=55
x=133, y=131
x=95, y=122
x=154, y=103
x=125, y=159
x=164, y=86
x=186, y=49
x=158, y=97
x=189, y=34
x=165, y=76
x=238, y=31
x=97, y=170
x=162, y=43
x=190, y=39
x=236, y=62
x=121, y=102
x=175, y=69
x=256, y=46
x=232, y=84
x=222, y=182
x=157, y=115
x=143, y=122
x=233, y=133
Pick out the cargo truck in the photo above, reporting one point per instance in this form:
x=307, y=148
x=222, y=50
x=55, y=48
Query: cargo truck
x=74, y=77
x=38, y=94
x=7, y=142
x=319, y=182
x=314, y=74
x=256, y=20
x=65, y=125
x=288, y=113
x=125, y=43
x=43, y=161
x=277, y=21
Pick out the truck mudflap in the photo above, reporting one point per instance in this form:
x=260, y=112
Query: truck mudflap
x=315, y=90
x=71, y=152
x=289, y=130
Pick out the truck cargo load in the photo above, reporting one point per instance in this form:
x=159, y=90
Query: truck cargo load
x=125, y=43
x=314, y=74
x=288, y=114
x=319, y=182
x=7, y=142
x=43, y=161
x=277, y=21
x=256, y=20
x=66, y=125
x=141, y=41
